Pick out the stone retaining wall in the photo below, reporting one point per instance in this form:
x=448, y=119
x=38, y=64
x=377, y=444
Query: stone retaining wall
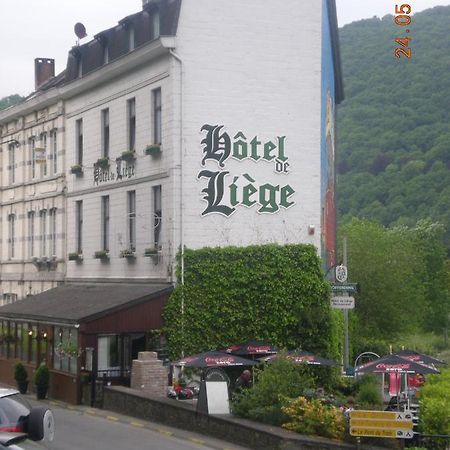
x=182, y=415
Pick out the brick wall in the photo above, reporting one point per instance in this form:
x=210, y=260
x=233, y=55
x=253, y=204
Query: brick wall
x=148, y=374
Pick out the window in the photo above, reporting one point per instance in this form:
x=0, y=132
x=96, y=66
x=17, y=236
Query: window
x=131, y=202
x=54, y=151
x=156, y=21
x=157, y=214
x=12, y=163
x=9, y=298
x=43, y=155
x=131, y=38
x=79, y=141
x=131, y=114
x=105, y=52
x=105, y=223
x=32, y=145
x=105, y=133
x=31, y=233
x=79, y=225
x=43, y=219
x=52, y=234
x=157, y=124
x=109, y=356
x=12, y=235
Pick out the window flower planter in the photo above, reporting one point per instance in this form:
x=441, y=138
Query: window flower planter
x=129, y=155
x=127, y=253
x=152, y=251
x=101, y=254
x=103, y=163
x=75, y=256
x=153, y=150
x=77, y=169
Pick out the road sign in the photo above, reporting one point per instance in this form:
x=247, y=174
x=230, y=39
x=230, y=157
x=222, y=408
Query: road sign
x=389, y=424
x=341, y=273
x=341, y=302
x=351, y=288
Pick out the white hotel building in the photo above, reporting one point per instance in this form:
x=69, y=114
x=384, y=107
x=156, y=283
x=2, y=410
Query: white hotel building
x=191, y=123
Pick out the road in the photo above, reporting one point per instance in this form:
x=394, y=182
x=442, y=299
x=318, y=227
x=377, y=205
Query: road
x=81, y=428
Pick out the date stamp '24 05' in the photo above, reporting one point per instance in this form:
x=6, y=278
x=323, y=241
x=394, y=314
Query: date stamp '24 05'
x=402, y=18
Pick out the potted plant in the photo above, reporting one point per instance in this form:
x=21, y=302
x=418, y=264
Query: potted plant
x=75, y=256
x=127, y=253
x=76, y=169
x=101, y=254
x=153, y=149
x=102, y=162
x=41, y=381
x=21, y=377
x=129, y=155
x=152, y=251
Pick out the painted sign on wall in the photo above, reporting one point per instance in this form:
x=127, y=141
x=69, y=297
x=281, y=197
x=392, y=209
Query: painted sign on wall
x=224, y=191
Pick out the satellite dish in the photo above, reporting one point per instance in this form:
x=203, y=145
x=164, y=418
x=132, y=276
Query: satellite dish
x=80, y=30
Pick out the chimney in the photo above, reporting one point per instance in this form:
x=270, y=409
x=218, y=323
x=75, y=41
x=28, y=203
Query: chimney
x=44, y=69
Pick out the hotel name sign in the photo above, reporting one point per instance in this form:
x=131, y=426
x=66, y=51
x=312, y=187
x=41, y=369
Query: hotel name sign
x=225, y=191
x=123, y=170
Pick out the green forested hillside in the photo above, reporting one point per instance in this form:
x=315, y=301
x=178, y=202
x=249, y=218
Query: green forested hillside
x=11, y=100
x=394, y=125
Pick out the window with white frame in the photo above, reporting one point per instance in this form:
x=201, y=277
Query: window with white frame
x=79, y=141
x=12, y=235
x=31, y=233
x=43, y=156
x=43, y=231
x=131, y=216
x=131, y=41
x=8, y=298
x=105, y=133
x=79, y=225
x=157, y=214
x=52, y=233
x=131, y=116
x=105, y=223
x=157, y=116
x=54, y=151
x=32, y=146
x=12, y=162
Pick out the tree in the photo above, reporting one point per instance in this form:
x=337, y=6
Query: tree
x=10, y=100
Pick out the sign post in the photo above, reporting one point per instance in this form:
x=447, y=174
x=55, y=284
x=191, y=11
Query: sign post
x=387, y=424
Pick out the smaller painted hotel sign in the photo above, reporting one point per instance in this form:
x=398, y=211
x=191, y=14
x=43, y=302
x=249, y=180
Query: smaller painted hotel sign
x=224, y=191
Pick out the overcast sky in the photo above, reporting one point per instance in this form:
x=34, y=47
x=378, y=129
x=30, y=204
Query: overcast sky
x=44, y=29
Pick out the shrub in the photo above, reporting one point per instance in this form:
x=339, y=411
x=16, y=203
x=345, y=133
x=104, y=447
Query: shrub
x=369, y=392
x=314, y=417
x=42, y=375
x=435, y=399
x=20, y=373
x=262, y=402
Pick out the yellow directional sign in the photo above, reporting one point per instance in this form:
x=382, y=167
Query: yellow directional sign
x=389, y=424
x=375, y=432
x=405, y=424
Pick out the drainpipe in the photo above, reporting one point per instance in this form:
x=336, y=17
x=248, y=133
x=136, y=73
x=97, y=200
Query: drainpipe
x=180, y=61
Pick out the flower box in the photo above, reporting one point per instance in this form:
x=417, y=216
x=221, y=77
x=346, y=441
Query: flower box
x=154, y=149
x=103, y=163
x=127, y=253
x=76, y=169
x=101, y=254
x=152, y=251
x=75, y=256
x=129, y=155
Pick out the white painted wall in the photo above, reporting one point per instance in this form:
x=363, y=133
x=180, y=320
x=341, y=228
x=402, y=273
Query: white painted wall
x=253, y=66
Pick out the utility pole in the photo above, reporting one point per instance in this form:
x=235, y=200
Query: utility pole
x=346, y=341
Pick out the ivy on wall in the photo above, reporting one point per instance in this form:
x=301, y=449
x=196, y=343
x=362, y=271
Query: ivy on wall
x=268, y=292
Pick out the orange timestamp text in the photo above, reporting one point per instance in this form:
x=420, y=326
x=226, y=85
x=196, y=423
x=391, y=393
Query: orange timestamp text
x=402, y=18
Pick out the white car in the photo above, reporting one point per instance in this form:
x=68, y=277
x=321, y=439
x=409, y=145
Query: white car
x=20, y=421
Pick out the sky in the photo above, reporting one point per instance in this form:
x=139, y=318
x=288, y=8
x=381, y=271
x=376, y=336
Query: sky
x=44, y=29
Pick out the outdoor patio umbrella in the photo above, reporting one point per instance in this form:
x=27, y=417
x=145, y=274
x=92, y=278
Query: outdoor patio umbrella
x=421, y=358
x=214, y=358
x=251, y=347
x=301, y=357
x=394, y=364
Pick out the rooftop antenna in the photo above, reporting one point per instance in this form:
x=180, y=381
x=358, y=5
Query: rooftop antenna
x=80, y=31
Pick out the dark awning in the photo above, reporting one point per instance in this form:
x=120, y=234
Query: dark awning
x=77, y=303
